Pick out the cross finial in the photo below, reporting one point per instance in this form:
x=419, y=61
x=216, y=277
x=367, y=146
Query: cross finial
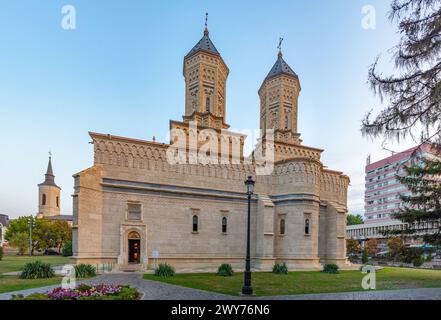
x=206, y=24
x=280, y=46
x=50, y=154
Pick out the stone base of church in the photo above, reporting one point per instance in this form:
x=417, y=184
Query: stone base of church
x=342, y=263
x=193, y=265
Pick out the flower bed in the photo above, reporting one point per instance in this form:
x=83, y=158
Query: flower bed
x=85, y=292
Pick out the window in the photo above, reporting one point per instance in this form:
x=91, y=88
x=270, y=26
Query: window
x=307, y=226
x=207, y=104
x=195, y=223
x=282, y=226
x=286, y=122
x=43, y=200
x=224, y=225
x=134, y=211
x=58, y=202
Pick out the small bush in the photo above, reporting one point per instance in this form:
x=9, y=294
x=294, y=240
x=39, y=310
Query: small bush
x=67, y=249
x=225, y=270
x=164, y=270
x=37, y=270
x=418, y=261
x=1, y=253
x=280, y=268
x=330, y=268
x=85, y=271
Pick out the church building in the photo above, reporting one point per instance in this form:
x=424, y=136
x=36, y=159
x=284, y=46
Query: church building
x=133, y=208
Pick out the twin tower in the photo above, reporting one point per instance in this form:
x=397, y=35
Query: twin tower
x=206, y=74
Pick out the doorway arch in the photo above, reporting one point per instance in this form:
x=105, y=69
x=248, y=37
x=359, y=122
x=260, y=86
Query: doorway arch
x=134, y=246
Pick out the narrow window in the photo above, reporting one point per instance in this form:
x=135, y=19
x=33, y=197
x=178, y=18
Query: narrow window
x=282, y=226
x=58, y=202
x=134, y=211
x=195, y=223
x=43, y=200
x=286, y=122
x=207, y=104
x=307, y=226
x=224, y=225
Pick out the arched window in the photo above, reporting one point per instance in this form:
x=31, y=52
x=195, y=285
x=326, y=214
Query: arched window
x=307, y=226
x=195, y=223
x=282, y=226
x=207, y=104
x=224, y=225
x=43, y=199
x=58, y=202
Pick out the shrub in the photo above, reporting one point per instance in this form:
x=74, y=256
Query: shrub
x=330, y=268
x=280, y=268
x=364, y=257
x=418, y=261
x=1, y=253
x=85, y=271
x=67, y=249
x=164, y=270
x=37, y=270
x=225, y=270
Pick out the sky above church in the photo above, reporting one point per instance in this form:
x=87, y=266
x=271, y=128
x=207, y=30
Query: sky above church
x=120, y=72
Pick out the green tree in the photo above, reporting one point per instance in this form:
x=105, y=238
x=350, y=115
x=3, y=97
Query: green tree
x=423, y=206
x=20, y=240
x=45, y=233
x=413, y=91
x=365, y=257
x=352, y=219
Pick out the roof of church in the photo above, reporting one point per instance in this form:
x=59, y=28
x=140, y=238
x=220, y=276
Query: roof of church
x=49, y=176
x=280, y=67
x=205, y=44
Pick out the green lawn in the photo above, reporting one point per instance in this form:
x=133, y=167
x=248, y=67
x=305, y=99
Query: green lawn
x=16, y=263
x=13, y=283
x=304, y=282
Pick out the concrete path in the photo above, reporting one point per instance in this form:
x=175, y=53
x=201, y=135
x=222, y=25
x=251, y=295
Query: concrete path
x=154, y=290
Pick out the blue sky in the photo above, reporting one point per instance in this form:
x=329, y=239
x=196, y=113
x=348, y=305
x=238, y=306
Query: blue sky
x=120, y=72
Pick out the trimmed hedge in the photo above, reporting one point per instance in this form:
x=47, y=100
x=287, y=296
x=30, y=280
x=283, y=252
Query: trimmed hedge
x=280, y=268
x=225, y=270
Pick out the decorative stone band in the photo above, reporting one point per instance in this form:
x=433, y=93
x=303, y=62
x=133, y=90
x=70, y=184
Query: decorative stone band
x=189, y=192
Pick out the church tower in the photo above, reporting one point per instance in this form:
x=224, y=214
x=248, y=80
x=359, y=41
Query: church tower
x=48, y=195
x=279, y=95
x=205, y=74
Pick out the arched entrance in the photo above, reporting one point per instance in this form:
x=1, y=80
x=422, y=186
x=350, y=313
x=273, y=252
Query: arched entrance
x=134, y=247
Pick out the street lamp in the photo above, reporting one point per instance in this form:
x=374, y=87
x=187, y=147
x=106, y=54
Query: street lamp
x=31, y=224
x=247, y=288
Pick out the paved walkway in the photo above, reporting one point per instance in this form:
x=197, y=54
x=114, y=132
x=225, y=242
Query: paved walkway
x=154, y=290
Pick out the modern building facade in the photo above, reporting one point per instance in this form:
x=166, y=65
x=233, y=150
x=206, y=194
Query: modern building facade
x=133, y=205
x=382, y=189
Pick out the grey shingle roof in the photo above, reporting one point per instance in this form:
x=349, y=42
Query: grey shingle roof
x=49, y=176
x=280, y=67
x=205, y=44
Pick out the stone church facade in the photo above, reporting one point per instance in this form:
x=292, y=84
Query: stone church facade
x=134, y=208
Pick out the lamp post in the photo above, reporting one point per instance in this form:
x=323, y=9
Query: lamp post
x=31, y=224
x=247, y=288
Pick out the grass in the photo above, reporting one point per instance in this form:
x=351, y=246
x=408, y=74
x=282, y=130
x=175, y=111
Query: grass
x=306, y=282
x=16, y=263
x=13, y=283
